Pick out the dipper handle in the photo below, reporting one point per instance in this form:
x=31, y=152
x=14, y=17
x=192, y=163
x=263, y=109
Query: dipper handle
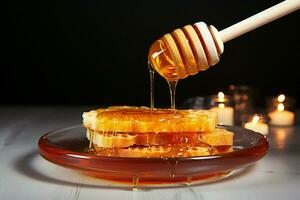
x=260, y=19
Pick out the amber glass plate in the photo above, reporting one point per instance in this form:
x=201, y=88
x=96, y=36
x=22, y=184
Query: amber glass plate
x=68, y=147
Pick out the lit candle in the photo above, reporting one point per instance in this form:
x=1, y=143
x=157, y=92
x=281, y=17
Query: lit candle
x=225, y=113
x=281, y=117
x=257, y=125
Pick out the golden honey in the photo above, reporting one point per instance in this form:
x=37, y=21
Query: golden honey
x=163, y=62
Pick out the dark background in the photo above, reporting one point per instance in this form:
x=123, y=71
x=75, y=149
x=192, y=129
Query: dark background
x=95, y=52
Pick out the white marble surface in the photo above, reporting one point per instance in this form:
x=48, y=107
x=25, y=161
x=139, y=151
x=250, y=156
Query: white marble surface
x=25, y=175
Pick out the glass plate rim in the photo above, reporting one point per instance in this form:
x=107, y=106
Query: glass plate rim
x=263, y=141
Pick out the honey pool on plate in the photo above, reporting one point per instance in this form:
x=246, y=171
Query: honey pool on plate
x=68, y=147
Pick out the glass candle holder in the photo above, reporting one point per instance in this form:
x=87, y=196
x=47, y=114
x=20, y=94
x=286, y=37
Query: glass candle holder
x=222, y=104
x=244, y=99
x=256, y=122
x=281, y=110
x=194, y=103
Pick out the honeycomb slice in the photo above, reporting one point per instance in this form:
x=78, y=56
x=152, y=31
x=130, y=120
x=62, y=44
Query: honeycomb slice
x=218, y=137
x=143, y=120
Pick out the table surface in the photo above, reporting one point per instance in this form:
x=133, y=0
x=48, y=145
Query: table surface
x=25, y=175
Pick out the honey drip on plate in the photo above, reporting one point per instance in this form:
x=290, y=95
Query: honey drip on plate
x=91, y=137
x=188, y=180
x=135, y=183
x=173, y=168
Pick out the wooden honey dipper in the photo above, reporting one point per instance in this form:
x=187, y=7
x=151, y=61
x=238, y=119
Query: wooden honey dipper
x=196, y=47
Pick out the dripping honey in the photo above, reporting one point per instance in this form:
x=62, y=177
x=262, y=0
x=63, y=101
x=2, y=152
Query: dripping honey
x=151, y=75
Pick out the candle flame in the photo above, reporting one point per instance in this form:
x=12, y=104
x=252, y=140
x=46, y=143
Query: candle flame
x=221, y=105
x=255, y=119
x=281, y=98
x=221, y=97
x=280, y=107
